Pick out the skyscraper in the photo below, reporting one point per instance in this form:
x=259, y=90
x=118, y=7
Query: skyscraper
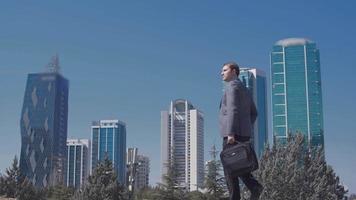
x=296, y=91
x=109, y=140
x=43, y=127
x=77, y=162
x=143, y=172
x=255, y=80
x=182, y=143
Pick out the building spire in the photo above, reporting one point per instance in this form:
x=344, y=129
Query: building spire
x=213, y=152
x=53, y=65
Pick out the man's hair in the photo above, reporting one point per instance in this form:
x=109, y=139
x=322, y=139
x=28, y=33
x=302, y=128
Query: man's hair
x=233, y=65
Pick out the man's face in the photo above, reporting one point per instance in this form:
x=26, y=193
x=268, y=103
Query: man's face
x=227, y=73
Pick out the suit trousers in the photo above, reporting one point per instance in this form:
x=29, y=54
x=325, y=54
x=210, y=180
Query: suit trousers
x=233, y=182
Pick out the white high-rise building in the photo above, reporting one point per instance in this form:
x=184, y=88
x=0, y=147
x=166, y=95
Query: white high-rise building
x=182, y=143
x=78, y=152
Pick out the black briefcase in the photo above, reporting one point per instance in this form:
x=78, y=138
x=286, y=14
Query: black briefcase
x=239, y=159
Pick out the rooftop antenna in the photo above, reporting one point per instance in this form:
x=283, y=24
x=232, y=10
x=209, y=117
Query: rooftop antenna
x=53, y=65
x=213, y=152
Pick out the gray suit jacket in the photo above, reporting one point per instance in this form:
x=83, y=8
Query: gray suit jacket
x=237, y=110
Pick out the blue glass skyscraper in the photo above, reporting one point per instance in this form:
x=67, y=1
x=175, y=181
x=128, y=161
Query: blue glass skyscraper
x=296, y=91
x=109, y=140
x=255, y=81
x=44, y=127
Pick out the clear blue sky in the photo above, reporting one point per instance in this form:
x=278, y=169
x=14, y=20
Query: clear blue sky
x=129, y=60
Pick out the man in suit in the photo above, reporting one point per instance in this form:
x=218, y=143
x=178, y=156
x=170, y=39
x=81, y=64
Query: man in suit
x=236, y=117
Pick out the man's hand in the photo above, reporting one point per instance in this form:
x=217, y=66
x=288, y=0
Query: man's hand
x=230, y=139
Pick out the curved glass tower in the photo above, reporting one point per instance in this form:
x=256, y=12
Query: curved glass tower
x=296, y=91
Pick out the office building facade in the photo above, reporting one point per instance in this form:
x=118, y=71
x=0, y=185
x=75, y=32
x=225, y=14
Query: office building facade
x=109, y=140
x=143, y=172
x=78, y=162
x=43, y=126
x=255, y=80
x=182, y=143
x=296, y=91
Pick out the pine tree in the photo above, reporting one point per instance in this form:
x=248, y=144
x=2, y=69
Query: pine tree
x=14, y=185
x=170, y=188
x=214, y=182
x=148, y=193
x=11, y=180
x=103, y=185
x=294, y=171
x=60, y=192
x=28, y=191
x=321, y=181
x=2, y=185
x=78, y=195
x=196, y=195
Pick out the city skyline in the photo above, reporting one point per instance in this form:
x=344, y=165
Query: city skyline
x=137, y=52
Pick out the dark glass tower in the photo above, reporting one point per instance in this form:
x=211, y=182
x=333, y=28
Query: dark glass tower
x=44, y=128
x=296, y=91
x=255, y=80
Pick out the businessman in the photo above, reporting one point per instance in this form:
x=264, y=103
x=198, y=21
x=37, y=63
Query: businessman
x=236, y=117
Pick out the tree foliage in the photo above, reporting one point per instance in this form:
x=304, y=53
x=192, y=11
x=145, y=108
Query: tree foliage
x=60, y=192
x=14, y=185
x=103, y=184
x=11, y=181
x=170, y=188
x=197, y=195
x=148, y=193
x=214, y=181
x=29, y=191
x=2, y=185
x=296, y=172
